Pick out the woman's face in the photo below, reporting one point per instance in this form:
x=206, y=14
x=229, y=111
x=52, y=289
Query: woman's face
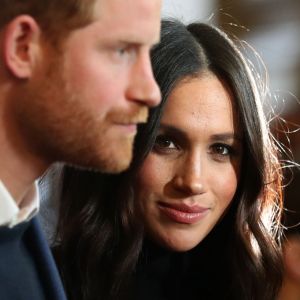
x=189, y=178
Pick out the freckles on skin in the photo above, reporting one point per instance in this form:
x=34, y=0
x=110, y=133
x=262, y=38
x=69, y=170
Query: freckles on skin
x=199, y=123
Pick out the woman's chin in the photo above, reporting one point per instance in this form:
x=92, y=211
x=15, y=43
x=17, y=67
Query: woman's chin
x=178, y=245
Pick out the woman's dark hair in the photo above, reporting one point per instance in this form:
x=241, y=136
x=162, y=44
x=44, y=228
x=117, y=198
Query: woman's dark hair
x=100, y=236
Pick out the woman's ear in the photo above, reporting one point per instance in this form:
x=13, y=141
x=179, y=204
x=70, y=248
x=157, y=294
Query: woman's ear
x=21, y=46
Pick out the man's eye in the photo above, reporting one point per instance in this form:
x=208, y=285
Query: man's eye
x=122, y=51
x=127, y=51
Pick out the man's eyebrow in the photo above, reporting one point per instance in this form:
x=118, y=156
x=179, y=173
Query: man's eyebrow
x=138, y=40
x=137, y=43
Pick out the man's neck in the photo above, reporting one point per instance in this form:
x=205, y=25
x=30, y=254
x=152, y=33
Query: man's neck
x=20, y=165
x=19, y=168
x=17, y=176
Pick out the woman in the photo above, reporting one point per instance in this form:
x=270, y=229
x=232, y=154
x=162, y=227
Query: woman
x=197, y=215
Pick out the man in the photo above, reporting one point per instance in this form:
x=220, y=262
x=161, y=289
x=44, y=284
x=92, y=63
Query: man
x=75, y=80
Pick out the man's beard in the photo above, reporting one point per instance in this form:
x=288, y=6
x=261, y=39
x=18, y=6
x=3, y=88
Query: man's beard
x=58, y=127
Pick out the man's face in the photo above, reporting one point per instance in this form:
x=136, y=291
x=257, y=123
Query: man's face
x=85, y=102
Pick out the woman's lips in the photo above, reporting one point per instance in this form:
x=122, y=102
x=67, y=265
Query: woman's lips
x=182, y=213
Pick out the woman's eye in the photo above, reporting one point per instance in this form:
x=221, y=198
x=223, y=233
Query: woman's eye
x=164, y=143
x=222, y=151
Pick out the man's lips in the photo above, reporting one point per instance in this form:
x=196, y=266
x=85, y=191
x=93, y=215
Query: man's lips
x=131, y=125
x=183, y=213
x=131, y=119
x=130, y=128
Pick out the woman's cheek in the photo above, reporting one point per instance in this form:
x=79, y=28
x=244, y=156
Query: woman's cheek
x=226, y=186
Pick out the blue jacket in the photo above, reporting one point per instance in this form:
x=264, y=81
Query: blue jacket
x=27, y=267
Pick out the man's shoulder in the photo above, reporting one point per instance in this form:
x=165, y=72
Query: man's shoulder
x=29, y=255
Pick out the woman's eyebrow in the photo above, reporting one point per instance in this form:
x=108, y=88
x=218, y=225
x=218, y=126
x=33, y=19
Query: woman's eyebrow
x=226, y=136
x=172, y=129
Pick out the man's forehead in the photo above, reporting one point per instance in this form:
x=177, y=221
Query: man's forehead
x=118, y=10
x=133, y=20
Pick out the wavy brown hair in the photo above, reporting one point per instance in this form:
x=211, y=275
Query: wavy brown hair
x=100, y=236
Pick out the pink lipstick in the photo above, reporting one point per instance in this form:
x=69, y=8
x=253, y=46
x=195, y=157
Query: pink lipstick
x=182, y=213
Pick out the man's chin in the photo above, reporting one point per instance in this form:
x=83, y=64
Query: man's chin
x=118, y=165
x=115, y=161
x=114, y=164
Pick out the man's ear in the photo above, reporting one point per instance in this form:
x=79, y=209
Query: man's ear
x=21, y=46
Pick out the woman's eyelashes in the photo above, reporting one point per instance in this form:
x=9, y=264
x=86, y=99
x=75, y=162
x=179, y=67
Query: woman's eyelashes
x=165, y=144
x=219, y=151
x=223, y=151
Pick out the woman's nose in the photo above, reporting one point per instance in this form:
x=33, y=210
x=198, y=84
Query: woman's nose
x=190, y=177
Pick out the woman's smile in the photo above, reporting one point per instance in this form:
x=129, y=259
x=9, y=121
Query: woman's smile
x=190, y=177
x=182, y=213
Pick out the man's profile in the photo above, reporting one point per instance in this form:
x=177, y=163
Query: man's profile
x=75, y=80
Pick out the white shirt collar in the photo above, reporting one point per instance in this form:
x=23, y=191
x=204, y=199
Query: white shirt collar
x=10, y=213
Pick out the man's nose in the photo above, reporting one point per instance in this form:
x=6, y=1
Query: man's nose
x=143, y=87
